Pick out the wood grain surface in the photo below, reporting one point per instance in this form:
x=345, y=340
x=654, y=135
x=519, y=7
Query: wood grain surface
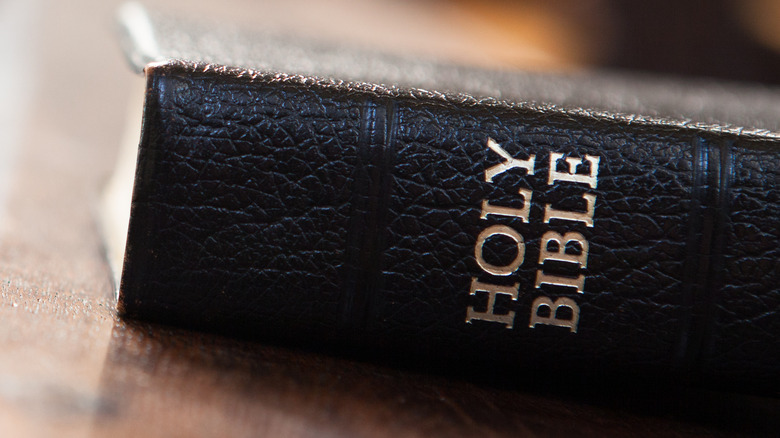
x=70, y=367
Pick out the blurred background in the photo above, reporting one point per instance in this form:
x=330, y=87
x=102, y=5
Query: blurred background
x=726, y=39
x=70, y=367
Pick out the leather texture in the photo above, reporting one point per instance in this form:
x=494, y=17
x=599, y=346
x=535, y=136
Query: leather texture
x=345, y=215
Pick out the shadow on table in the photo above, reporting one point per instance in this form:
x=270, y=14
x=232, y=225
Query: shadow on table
x=161, y=381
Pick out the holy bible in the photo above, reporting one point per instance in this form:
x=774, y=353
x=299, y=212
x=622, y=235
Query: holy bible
x=546, y=225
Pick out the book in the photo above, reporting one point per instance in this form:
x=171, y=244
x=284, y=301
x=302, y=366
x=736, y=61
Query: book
x=385, y=207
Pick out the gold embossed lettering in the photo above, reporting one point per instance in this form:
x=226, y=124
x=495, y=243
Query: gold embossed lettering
x=508, y=163
x=561, y=255
x=571, y=175
x=502, y=230
x=553, y=319
x=557, y=280
x=498, y=210
x=585, y=217
x=492, y=290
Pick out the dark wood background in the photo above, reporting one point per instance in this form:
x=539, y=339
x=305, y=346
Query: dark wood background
x=70, y=367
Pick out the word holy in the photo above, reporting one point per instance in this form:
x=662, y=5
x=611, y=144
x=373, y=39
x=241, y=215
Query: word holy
x=553, y=244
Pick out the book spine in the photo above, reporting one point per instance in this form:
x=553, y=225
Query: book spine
x=441, y=227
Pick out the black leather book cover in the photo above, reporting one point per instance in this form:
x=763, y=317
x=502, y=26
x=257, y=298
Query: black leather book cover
x=379, y=214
